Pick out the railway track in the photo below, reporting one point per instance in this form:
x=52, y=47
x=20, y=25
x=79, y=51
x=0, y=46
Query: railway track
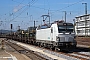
x=74, y=55
x=28, y=53
x=71, y=56
x=79, y=53
x=78, y=56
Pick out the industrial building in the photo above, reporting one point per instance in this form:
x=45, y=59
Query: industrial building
x=82, y=25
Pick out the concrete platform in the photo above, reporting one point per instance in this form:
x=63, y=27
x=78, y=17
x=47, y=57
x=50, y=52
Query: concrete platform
x=9, y=53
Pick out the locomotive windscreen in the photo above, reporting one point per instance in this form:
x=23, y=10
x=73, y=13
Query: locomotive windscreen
x=65, y=27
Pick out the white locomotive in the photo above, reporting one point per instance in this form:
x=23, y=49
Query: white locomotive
x=57, y=35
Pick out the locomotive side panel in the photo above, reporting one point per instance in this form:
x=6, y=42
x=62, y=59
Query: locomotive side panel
x=43, y=34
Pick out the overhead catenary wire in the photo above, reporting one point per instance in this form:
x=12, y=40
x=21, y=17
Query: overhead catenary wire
x=49, y=9
x=60, y=10
x=22, y=11
x=9, y=13
x=19, y=12
x=25, y=7
x=69, y=5
x=13, y=13
x=44, y=8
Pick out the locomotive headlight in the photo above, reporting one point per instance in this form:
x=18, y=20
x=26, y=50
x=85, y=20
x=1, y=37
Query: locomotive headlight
x=57, y=38
x=72, y=43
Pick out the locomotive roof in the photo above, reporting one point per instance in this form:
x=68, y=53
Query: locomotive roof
x=49, y=25
x=64, y=23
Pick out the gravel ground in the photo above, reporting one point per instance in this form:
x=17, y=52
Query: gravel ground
x=86, y=53
x=80, y=56
x=61, y=55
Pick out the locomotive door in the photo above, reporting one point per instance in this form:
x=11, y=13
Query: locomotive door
x=51, y=33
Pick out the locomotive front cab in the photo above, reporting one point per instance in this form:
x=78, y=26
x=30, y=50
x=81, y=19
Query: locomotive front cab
x=66, y=35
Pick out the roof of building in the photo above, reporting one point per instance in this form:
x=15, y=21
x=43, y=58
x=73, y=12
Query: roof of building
x=82, y=15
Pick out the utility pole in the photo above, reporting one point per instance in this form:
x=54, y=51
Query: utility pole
x=65, y=15
x=34, y=23
x=49, y=16
x=85, y=7
x=74, y=25
x=11, y=31
x=85, y=16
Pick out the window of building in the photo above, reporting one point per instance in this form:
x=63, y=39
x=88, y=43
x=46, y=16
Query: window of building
x=76, y=24
x=87, y=17
x=78, y=31
x=81, y=23
x=77, y=19
x=80, y=18
x=82, y=31
x=88, y=23
x=89, y=30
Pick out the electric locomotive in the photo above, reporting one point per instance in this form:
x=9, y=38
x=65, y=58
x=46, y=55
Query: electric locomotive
x=58, y=35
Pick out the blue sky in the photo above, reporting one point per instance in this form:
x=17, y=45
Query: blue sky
x=23, y=12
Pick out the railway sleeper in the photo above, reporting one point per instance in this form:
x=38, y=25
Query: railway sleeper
x=22, y=51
